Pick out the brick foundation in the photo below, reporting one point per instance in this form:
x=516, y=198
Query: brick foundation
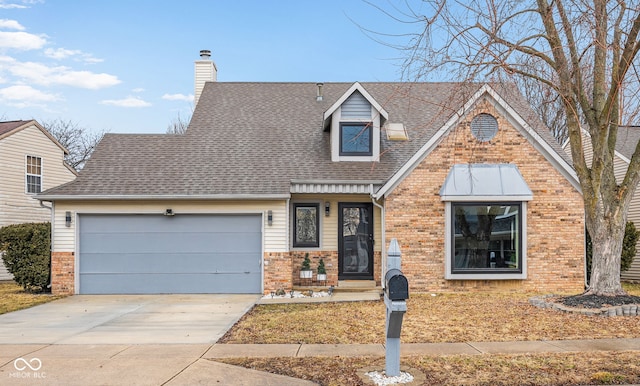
x=62, y=273
x=283, y=269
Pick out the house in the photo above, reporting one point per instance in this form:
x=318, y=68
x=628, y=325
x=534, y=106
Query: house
x=626, y=141
x=476, y=191
x=32, y=161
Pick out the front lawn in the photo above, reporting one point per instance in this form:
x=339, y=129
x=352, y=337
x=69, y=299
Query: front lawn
x=443, y=318
x=13, y=297
x=468, y=317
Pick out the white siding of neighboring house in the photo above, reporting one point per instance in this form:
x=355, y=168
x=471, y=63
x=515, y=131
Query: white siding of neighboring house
x=275, y=235
x=633, y=214
x=17, y=206
x=620, y=166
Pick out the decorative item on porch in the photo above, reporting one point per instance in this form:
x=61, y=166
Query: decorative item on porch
x=305, y=271
x=322, y=271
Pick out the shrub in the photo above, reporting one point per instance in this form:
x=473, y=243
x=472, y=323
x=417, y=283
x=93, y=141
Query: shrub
x=27, y=254
x=306, y=263
x=322, y=270
x=631, y=235
x=629, y=246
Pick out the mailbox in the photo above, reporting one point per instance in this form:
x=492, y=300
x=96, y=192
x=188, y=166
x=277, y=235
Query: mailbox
x=397, y=286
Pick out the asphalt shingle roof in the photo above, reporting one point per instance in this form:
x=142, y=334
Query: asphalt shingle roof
x=627, y=139
x=6, y=127
x=255, y=138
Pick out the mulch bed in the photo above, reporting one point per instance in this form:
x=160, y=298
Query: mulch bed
x=595, y=301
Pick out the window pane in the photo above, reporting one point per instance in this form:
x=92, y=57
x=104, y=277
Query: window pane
x=355, y=139
x=33, y=184
x=306, y=226
x=486, y=237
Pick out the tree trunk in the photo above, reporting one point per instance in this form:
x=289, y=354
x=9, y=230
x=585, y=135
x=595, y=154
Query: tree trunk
x=606, y=237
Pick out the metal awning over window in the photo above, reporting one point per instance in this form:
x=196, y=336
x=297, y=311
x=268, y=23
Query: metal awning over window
x=485, y=182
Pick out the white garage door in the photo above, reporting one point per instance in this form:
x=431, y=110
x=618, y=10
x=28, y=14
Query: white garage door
x=147, y=254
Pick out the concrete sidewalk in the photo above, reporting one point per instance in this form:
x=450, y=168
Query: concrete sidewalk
x=194, y=364
x=469, y=348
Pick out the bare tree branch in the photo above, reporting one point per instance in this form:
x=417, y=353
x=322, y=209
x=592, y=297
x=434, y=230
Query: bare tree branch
x=79, y=141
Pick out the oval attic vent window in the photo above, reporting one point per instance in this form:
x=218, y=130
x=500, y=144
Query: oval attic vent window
x=484, y=127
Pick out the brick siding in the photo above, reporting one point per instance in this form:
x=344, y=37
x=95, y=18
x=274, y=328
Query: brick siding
x=62, y=273
x=282, y=269
x=555, y=224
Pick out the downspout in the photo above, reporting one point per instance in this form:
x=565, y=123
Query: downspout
x=383, y=233
x=50, y=241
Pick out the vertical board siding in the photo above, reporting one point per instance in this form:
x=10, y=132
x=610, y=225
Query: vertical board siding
x=16, y=206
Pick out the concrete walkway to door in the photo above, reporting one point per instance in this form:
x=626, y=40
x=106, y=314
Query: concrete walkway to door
x=126, y=319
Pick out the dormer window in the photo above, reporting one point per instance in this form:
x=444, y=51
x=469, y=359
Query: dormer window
x=356, y=139
x=354, y=121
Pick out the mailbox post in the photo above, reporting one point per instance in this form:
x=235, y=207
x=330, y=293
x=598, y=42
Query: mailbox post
x=396, y=292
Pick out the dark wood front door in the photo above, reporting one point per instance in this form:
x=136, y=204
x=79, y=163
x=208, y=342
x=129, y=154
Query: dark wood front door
x=355, y=241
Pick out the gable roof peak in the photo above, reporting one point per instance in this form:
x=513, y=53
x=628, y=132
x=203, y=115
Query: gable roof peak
x=356, y=86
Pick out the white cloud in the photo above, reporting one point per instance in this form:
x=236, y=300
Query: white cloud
x=21, y=40
x=26, y=94
x=90, y=59
x=129, y=101
x=12, y=6
x=63, y=53
x=178, y=97
x=137, y=90
x=43, y=75
x=11, y=24
x=60, y=53
x=16, y=5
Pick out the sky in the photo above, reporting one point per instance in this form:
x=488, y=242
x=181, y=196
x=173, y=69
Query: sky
x=127, y=66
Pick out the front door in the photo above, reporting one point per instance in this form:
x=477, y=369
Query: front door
x=355, y=241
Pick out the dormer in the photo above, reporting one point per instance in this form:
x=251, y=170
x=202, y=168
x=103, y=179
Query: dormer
x=354, y=122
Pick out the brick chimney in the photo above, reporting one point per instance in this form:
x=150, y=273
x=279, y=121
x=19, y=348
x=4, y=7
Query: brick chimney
x=205, y=71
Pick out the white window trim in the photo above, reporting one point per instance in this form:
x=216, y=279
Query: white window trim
x=374, y=120
x=483, y=276
x=27, y=174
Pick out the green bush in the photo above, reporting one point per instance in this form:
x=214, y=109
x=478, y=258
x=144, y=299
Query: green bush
x=27, y=254
x=631, y=235
x=629, y=246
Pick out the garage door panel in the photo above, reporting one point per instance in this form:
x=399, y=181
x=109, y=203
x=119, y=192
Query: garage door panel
x=180, y=263
x=178, y=254
x=170, y=283
x=182, y=242
x=170, y=224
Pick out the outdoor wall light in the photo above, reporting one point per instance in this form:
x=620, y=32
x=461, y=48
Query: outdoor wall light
x=169, y=212
x=67, y=219
x=270, y=217
x=327, y=208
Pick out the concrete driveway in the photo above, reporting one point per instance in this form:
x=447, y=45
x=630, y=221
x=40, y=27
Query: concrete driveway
x=126, y=319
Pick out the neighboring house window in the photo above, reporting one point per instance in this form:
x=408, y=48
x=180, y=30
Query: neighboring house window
x=486, y=238
x=356, y=139
x=34, y=174
x=306, y=221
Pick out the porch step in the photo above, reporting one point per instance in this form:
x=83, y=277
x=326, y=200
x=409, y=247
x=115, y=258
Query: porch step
x=345, y=286
x=357, y=286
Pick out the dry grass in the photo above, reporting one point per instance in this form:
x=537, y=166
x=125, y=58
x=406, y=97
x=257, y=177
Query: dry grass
x=549, y=369
x=443, y=318
x=13, y=298
x=472, y=317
